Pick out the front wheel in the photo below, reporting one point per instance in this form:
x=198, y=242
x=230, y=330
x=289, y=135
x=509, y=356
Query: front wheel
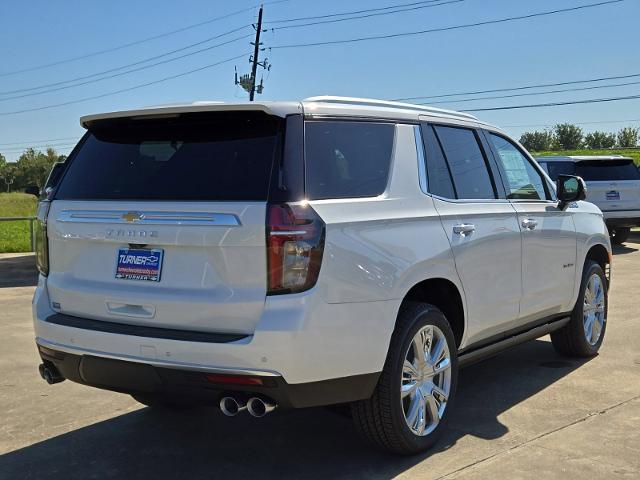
x=410, y=405
x=583, y=335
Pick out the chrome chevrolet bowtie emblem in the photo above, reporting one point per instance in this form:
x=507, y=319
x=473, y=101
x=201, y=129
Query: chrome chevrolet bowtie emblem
x=132, y=217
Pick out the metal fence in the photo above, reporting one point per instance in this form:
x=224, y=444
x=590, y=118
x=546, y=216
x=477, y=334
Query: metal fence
x=24, y=219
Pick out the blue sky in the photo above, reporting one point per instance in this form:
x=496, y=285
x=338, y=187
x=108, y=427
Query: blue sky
x=589, y=43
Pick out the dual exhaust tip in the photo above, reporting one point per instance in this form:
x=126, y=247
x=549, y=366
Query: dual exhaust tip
x=257, y=407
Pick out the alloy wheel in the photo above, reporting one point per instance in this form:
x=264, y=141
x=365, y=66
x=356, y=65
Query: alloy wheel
x=426, y=380
x=593, y=310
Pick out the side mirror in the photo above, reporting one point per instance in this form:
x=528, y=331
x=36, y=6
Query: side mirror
x=32, y=190
x=570, y=189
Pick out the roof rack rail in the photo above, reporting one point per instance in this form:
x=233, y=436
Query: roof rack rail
x=371, y=102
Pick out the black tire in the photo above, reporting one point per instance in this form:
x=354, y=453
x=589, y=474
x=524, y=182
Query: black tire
x=571, y=340
x=161, y=403
x=380, y=420
x=619, y=235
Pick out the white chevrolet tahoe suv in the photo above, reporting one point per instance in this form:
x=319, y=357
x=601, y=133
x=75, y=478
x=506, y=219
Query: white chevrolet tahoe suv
x=613, y=184
x=297, y=254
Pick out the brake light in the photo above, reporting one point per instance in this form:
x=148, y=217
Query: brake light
x=40, y=232
x=295, y=243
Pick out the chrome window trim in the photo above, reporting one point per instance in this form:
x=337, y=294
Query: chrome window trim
x=470, y=200
x=149, y=218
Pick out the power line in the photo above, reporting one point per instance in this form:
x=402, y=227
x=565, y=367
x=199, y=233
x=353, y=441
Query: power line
x=126, y=45
x=25, y=142
x=145, y=60
x=527, y=87
x=532, y=93
x=122, y=90
x=126, y=72
x=353, y=12
x=575, y=123
x=368, y=15
x=36, y=147
x=443, y=29
x=553, y=104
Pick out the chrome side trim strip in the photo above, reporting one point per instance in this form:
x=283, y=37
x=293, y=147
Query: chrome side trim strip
x=149, y=218
x=287, y=232
x=156, y=363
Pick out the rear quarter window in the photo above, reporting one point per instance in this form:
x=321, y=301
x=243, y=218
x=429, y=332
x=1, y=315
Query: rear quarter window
x=345, y=159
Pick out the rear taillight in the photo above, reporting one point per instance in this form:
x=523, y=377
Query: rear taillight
x=40, y=232
x=295, y=242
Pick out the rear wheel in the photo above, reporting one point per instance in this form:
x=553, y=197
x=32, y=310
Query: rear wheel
x=583, y=335
x=410, y=405
x=619, y=235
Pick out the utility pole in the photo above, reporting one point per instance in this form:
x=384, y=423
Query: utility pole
x=256, y=51
x=249, y=81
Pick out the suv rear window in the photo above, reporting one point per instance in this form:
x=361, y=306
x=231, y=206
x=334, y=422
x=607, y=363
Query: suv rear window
x=347, y=159
x=603, y=170
x=212, y=156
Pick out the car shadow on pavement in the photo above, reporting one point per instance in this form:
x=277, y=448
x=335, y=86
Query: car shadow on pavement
x=634, y=239
x=312, y=443
x=18, y=271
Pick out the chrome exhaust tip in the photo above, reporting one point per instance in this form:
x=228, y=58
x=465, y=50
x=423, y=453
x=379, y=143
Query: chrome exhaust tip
x=258, y=407
x=231, y=407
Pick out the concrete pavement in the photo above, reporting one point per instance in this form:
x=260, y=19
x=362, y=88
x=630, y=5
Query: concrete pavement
x=527, y=413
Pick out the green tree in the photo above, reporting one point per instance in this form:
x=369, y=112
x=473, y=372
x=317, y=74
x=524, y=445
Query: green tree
x=33, y=167
x=600, y=140
x=8, y=173
x=538, y=141
x=568, y=136
x=628, y=137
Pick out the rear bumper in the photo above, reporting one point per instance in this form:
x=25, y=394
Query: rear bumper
x=301, y=341
x=199, y=387
x=621, y=218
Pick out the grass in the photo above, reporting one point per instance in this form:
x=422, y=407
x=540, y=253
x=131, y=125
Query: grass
x=14, y=236
x=633, y=153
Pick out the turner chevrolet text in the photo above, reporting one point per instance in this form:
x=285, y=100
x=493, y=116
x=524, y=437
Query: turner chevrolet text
x=332, y=251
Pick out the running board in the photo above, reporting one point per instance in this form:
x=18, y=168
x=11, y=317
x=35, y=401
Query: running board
x=473, y=356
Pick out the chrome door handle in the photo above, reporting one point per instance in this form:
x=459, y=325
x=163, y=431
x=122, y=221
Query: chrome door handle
x=529, y=223
x=464, y=229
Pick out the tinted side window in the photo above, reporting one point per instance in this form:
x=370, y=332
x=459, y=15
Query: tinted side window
x=467, y=163
x=523, y=180
x=347, y=159
x=437, y=170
